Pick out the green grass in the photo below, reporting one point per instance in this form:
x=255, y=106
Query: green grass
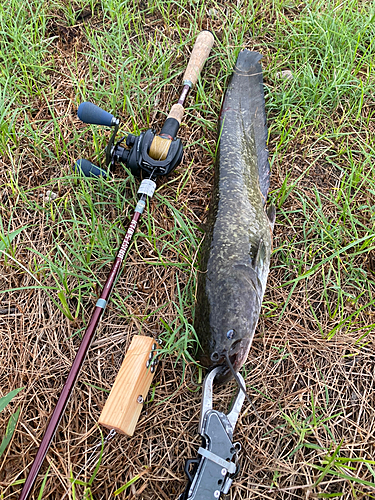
x=129, y=57
x=12, y=423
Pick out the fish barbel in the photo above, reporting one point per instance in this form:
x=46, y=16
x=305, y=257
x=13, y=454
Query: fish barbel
x=236, y=250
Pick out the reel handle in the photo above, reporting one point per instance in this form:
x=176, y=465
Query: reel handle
x=88, y=169
x=90, y=113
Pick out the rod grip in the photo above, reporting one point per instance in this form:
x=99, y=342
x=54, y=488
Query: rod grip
x=125, y=402
x=199, y=55
x=90, y=113
x=88, y=169
x=177, y=112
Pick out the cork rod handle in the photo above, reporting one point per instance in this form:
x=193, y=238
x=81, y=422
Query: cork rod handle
x=176, y=112
x=160, y=145
x=199, y=55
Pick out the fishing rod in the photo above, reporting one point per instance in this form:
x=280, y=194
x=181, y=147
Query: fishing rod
x=154, y=156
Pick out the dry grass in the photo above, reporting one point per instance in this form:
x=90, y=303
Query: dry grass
x=314, y=395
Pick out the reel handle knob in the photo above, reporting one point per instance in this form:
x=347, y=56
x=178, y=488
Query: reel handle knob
x=90, y=113
x=88, y=169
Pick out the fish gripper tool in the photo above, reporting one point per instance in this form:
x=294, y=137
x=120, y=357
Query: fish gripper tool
x=211, y=474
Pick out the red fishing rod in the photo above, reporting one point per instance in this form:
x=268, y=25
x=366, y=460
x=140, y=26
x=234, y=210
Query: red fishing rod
x=155, y=156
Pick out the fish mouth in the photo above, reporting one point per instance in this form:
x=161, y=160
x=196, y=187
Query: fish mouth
x=236, y=355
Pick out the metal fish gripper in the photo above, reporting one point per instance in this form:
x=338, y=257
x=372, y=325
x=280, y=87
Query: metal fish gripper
x=211, y=474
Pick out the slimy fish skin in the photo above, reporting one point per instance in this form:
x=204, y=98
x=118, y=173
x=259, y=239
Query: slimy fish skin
x=236, y=251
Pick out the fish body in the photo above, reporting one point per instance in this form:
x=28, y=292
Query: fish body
x=236, y=250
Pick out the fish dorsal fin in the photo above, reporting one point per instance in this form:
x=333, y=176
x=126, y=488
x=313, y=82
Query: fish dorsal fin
x=271, y=214
x=251, y=95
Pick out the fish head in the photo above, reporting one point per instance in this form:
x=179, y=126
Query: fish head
x=233, y=319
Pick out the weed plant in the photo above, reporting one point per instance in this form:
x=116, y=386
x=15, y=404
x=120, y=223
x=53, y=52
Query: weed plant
x=311, y=365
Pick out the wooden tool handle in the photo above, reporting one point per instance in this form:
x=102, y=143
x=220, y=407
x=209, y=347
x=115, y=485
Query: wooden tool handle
x=124, y=404
x=199, y=55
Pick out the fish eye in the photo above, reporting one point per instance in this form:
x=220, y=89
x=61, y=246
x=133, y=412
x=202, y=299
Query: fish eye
x=230, y=334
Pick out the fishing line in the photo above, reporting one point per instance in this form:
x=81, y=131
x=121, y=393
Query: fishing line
x=238, y=381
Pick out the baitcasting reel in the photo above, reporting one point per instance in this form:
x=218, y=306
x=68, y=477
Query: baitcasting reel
x=155, y=154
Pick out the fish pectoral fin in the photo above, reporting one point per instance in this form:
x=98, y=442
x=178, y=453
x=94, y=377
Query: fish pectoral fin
x=260, y=257
x=271, y=214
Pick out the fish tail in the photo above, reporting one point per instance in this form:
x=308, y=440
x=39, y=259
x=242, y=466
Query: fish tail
x=247, y=85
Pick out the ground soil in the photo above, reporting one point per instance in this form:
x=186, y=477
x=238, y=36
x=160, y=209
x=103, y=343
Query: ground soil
x=306, y=388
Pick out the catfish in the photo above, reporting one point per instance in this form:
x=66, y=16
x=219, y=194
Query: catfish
x=236, y=250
